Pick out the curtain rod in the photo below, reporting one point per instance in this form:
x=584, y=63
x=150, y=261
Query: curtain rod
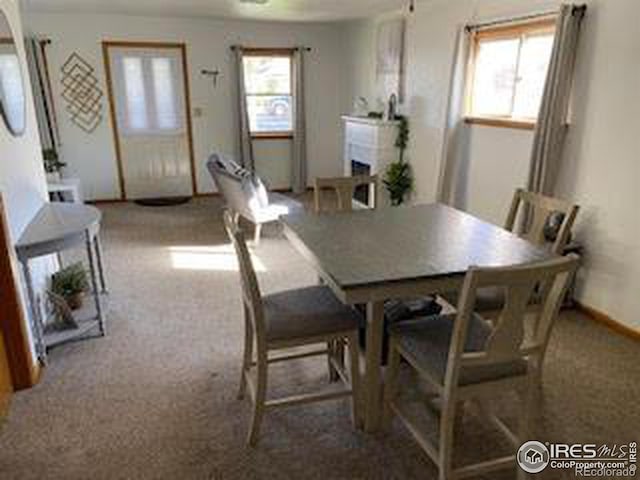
x=503, y=21
x=293, y=49
x=576, y=9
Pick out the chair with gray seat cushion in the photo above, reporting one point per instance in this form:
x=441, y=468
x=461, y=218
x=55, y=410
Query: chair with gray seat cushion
x=290, y=319
x=246, y=195
x=466, y=359
x=550, y=223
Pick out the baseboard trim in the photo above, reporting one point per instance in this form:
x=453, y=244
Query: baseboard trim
x=609, y=322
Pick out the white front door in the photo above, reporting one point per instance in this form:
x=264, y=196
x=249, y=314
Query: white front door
x=149, y=95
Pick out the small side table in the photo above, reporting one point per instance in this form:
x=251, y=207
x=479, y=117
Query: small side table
x=70, y=186
x=56, y=227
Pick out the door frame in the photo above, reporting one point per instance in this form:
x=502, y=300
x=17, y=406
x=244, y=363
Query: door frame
x=25, y=371
x=182, y=48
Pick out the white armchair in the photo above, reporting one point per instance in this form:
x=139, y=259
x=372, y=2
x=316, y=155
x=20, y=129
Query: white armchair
x=246, y=195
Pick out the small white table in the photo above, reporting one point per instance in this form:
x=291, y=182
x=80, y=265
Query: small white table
x=69, y=186
x=56, y=227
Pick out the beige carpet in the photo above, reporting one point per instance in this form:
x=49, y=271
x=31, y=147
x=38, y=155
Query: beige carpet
x=156, y=398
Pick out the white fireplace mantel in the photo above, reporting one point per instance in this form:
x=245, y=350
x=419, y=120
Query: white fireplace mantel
x=370, y=142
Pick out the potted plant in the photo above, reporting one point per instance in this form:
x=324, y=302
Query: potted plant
x=52, y=164
x=398, y=178
x=71, y=284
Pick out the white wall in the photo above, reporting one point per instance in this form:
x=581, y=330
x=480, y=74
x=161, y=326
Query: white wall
x=92, y=157
x=600, y=170
x=21, y=173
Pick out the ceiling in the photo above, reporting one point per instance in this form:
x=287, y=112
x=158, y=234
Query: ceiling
x=277, y=10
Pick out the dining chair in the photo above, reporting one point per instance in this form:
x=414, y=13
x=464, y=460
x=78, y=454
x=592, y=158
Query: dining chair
x=541, y=230
x=466, y=359
x=542, y=210
x=285, y=320
x=344, y=188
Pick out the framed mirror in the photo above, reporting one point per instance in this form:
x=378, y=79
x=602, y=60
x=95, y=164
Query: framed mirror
x=12, y=97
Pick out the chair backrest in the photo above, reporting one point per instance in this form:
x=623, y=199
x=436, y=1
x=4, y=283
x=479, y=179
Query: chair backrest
x=507, y=341
x=541, y=208
x=251, y=297
x=344, y=188
x=242, y=190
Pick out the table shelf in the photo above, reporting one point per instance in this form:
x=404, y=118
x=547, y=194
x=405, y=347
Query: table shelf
x=87, y=319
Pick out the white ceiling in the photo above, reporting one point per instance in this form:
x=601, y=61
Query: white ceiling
x=280, y=10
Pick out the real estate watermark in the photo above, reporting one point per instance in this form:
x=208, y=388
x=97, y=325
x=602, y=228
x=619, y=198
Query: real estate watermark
x=584, y=459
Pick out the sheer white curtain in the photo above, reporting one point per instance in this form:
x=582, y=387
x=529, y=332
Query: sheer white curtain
x=299, y=165
x=454, y=126
x=245, y=145
x=149, y=93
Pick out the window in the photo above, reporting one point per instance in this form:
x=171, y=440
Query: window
x=507, y=73
x=150, y=95
x=267, y=79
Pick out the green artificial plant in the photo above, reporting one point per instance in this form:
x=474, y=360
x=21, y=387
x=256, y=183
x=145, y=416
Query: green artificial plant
x=70, y=281
x=52, y=163
x=398, y=178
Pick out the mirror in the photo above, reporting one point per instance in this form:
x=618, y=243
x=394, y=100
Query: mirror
x=12, y=101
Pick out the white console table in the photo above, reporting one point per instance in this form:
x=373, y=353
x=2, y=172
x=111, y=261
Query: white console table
x=57, y=227
x=370, y=146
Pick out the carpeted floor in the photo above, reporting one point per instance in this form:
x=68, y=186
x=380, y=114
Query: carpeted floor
x=155, y=399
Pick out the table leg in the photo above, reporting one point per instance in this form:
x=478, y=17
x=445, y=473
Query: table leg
x=94, y=281
x=36, y=322
x=373, y=367
x=98, y=249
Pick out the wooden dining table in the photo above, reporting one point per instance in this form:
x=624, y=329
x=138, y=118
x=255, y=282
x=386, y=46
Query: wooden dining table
x=370, y=256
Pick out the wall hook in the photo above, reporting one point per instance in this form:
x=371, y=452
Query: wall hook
x=212, y=73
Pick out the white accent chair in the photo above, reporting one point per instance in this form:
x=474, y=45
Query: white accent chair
x=289, y=319
x=246, y=195
x=466, y=359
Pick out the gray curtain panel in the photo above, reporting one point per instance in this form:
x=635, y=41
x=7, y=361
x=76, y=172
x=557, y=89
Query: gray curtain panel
x=299, y=164
x=551, y=128
x=453, y=136
x=42, y=96
x=245, y=145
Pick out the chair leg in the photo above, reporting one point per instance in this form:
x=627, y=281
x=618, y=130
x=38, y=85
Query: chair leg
x=256, y=239
x=356, y=399
x=259, y=404
x=391, y=384
x=339, y=352
x=247, y=356
x=447, y=424
x=331, y=351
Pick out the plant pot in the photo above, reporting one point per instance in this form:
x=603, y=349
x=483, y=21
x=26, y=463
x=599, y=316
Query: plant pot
x=53, y=177
x=75, y=301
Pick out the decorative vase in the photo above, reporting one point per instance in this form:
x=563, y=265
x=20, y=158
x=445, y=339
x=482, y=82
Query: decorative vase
x=75, y=301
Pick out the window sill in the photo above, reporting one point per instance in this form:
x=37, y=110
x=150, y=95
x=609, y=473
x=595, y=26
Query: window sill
x=501, y=123
x=272, y=136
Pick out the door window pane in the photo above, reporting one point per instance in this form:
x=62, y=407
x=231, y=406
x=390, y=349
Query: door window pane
x=164, y=91
x=136, y=101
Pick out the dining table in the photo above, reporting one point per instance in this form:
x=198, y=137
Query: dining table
x=398, y=253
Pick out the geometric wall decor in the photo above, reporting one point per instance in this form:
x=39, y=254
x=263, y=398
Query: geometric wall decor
x=81, y=92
